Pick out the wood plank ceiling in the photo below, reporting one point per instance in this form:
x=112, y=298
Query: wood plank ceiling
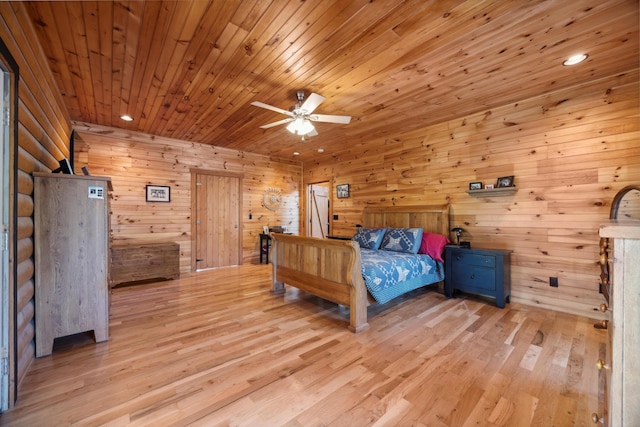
x=190, y=69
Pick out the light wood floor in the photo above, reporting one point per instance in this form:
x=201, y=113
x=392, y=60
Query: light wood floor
x=216, y=348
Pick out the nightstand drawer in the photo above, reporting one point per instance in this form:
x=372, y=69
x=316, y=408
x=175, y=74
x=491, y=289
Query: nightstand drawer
x=474, y=259
x=475, y=278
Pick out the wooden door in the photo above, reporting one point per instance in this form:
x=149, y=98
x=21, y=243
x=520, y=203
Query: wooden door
x=217, y=223
x=318, y=210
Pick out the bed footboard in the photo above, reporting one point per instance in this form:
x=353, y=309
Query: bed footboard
x=330, y=269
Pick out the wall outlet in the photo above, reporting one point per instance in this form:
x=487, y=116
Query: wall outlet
x=553, y=282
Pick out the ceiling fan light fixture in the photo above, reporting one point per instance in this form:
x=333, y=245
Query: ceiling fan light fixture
x=300, y=118
x=300, y=126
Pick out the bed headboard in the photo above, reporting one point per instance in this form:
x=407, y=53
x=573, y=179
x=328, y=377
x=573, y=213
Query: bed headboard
x=431, y=218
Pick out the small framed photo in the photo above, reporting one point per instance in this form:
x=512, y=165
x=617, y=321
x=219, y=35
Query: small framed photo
x=265, y=229
x=475, y=186
x=342, y=191
x=488, y=186
x=158, y=193
x=505, y=181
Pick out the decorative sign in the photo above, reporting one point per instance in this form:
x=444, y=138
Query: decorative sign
x=271, y=198
x=96, y=192
x=158, y=193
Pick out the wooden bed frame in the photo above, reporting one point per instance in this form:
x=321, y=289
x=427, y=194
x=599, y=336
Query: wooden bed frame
x=331, y=269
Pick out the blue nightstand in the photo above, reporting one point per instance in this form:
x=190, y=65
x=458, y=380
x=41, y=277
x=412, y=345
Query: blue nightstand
x=478, y=271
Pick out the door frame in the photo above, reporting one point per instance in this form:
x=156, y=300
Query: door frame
x=194, y=209
x=304, y=230
x=9, y=324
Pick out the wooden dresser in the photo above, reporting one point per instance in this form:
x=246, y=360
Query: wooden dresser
x=71, y=239
x=622, y=365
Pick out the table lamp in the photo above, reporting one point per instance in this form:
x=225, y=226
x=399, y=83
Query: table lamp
x=458, y=231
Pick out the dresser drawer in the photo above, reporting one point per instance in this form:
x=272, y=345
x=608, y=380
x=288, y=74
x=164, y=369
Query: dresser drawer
x=475, y=278
x=475, y=259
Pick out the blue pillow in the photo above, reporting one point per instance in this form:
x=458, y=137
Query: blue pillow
x=369, y=238
x=402, y=240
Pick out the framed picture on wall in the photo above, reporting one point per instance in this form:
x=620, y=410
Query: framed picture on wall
x=342, y=191
x=475, y=186
x=505, y=181
x=158, y=193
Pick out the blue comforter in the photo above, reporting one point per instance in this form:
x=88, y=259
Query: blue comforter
x=390, y=274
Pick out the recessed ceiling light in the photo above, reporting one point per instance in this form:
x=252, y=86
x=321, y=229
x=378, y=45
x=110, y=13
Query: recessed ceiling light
x=575, y=59
x=295, y=153
x=320, y=150
x=126, y=118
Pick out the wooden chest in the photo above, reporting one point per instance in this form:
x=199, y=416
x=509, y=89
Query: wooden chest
x=132, y=262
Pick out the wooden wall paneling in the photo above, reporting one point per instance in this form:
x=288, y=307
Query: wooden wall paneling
x=43, y=138
x=38, y=153
x=25, y=329
x=57, y=45
x=275, y=19
x=39, y=137
x=163, y=161
x=393, y=64
x=77, y=76
x=38, y=90
x=187, y=77
x=231, y=36
x=91, y=21
x=570, y=151
x=82, y=79
x=125, y=39
x=104, y=13
x=178, y=50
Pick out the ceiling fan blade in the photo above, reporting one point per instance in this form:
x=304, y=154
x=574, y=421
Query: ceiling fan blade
x=280, y=122
x=271, y=107
x=312, y=102
x=330, y=118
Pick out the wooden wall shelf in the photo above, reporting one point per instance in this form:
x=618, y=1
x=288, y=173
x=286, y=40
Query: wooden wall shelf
x=489, y=192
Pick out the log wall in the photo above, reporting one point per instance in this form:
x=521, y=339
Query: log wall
x=133, y=160
x=43, y=139
x=570, y=152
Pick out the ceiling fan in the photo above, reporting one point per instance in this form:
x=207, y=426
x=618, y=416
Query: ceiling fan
x=300, y=116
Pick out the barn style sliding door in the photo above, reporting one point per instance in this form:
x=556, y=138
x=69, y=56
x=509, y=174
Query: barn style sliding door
x=217, y=226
